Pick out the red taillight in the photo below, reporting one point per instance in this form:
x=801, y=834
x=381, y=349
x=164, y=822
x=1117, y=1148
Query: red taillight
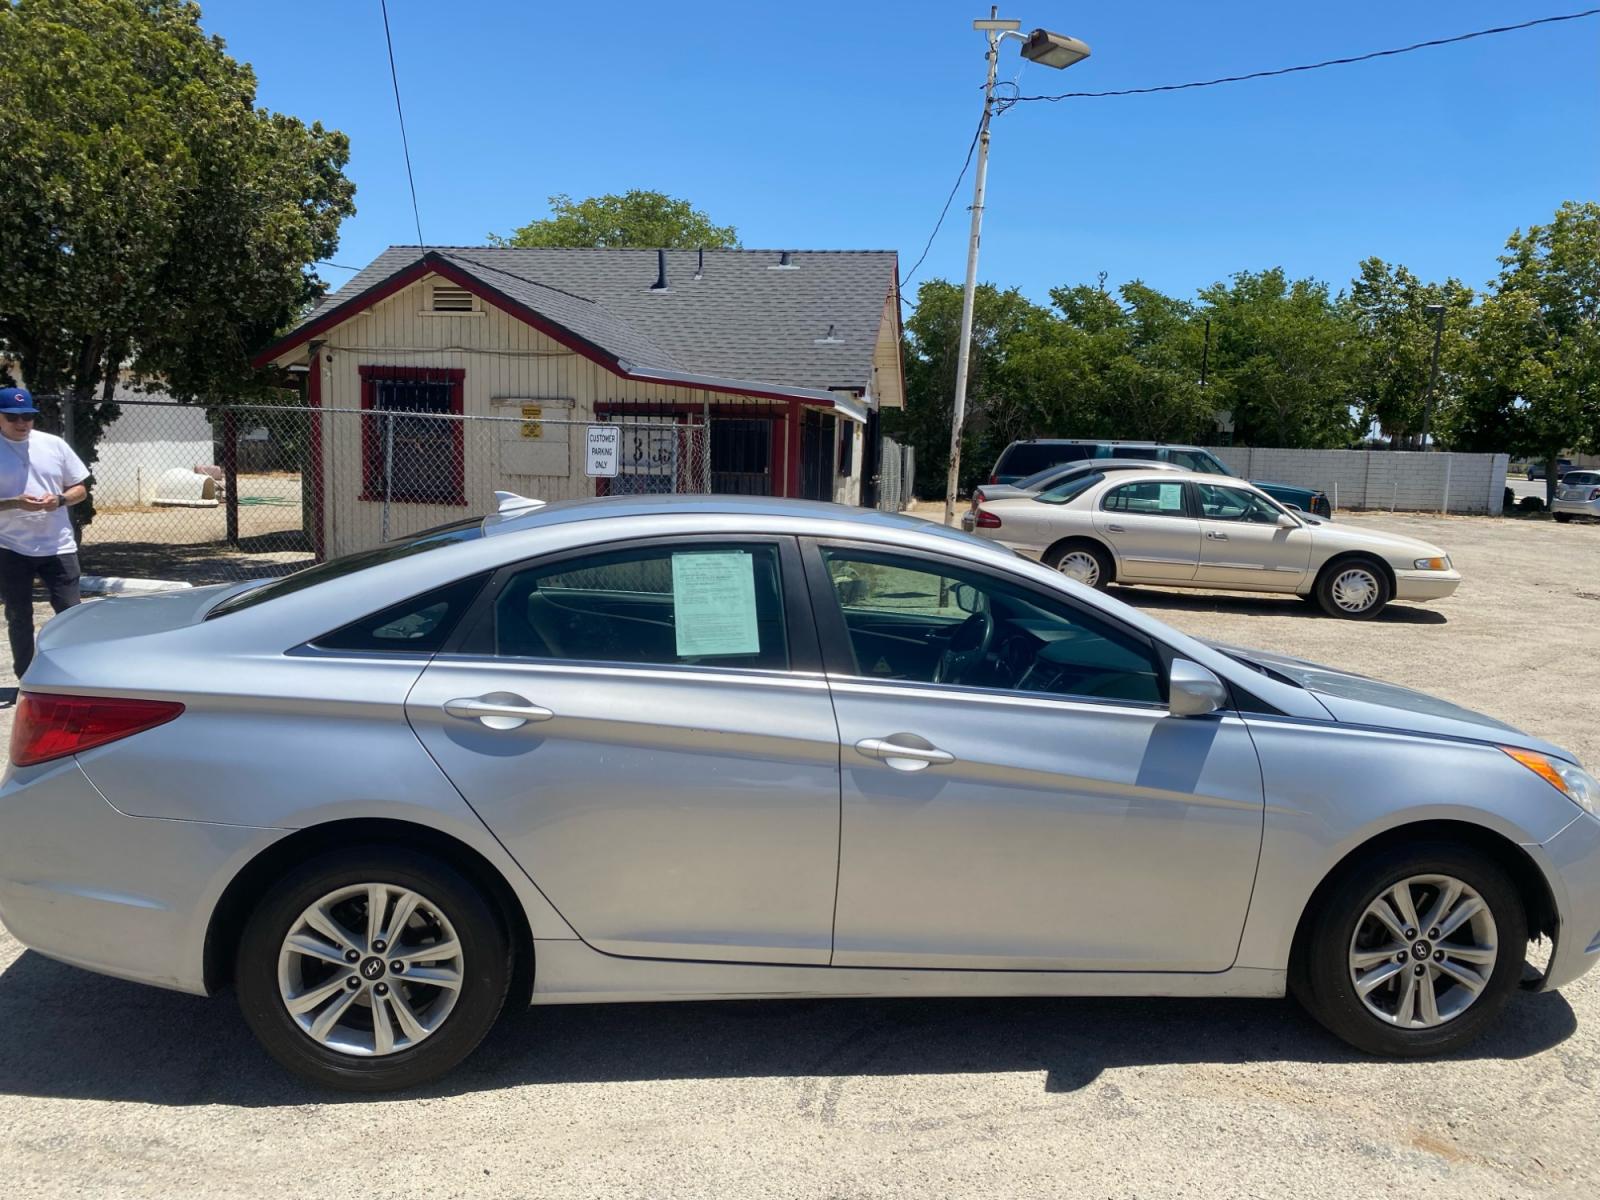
x=48, y=726
x=994, y=479
x=977, y=498
x=1594, y=494
x=987, y=520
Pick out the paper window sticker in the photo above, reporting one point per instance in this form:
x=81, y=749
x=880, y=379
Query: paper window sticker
x=714, y=603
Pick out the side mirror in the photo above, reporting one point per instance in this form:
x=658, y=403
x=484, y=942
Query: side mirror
x=1193, y=691
x=1285, y=521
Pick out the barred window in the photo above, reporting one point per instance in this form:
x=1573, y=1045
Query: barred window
x=411, y=445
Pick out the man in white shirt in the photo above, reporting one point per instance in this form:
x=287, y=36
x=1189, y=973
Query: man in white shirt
x=40, y=477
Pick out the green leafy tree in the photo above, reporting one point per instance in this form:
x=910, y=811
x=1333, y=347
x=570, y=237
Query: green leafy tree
x=931, y=346
x=1530, y=377
x=154, y=217
x=1285, y=360
x=637, y=218
x=1389, y=304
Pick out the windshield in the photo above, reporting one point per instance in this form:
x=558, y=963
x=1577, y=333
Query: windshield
x=1072, y=487
x=417, y=543
x=1042, y=478
x=1029, y=458
x=1197, y=460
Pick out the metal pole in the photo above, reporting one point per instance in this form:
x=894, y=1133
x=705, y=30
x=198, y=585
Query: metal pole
x=964, y=356
x=1433, y=371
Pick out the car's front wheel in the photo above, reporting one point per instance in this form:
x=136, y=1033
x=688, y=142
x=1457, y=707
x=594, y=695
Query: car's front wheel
x=1413, y=950
x=1355, y=589
x=372, y=969
x=1082, y=560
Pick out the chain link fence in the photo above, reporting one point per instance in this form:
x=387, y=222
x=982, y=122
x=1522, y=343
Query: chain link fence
x=210, y=495
x=897, y=476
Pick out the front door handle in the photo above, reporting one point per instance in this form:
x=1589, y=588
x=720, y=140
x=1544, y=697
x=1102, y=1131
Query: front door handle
x=498, y=710
x=1115, y=529
x=902, y=757
x=1216, y=537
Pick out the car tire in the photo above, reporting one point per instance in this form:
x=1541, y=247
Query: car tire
x=1356, y=589
x=1562, y=518
x=1063, y=555
x=1324, y=975
x=431, y=1027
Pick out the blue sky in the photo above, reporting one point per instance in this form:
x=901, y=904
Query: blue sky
x=822, y=124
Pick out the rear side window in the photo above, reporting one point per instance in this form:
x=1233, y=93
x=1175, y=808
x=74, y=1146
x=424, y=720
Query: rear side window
x=420, y=625
x=1027, y=458
x=1149, y=497
x=714, y=604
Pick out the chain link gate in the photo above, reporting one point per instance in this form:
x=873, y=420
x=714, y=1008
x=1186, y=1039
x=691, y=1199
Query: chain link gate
x=224, y=493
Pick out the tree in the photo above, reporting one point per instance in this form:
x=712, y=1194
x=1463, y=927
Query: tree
x=1389, y=304
x=637, y=218
x=931, y=346
x=1285, y=360
x=154, y=218
x=1531, y=376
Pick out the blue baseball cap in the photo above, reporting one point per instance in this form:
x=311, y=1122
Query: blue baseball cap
x=16, y=400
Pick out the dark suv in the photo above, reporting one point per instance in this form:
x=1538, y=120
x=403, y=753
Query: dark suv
x=1024, y=458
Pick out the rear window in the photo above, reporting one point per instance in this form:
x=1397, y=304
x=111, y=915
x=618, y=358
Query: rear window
x=1075, y=486
x=1028, y=458
x=349, y=564
x=1581, y=477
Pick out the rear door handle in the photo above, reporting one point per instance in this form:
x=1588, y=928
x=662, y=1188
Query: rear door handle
x=501, y=711
x=901, y=757
x=1115, y=529
x=1216, y=537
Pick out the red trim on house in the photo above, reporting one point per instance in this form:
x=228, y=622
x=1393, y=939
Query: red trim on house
x=402, y=278
x=791, y=464
x=319, y=490
x=372, y=446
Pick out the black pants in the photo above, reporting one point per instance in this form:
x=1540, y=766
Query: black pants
x=17, y=571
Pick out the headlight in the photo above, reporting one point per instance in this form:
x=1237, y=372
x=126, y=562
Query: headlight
x=1432, y=564
x=1582, y=788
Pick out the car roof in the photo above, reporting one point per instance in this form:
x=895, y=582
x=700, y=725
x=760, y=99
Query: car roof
x=1102, y=442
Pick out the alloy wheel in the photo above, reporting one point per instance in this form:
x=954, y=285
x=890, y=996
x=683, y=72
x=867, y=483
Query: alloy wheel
x=370, y=969
x=1423, y=951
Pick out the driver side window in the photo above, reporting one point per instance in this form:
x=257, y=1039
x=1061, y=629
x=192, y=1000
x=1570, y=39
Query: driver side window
x=909, y=620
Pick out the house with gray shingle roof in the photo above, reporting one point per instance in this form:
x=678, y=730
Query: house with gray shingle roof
x=784, y=357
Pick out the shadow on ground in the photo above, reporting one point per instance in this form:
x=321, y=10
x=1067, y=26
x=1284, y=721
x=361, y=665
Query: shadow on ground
x=72, y=1034
x=199, y=562
x=1398, y=613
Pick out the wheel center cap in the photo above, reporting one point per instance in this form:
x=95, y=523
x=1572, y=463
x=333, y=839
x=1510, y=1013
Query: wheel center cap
x=1419, y=949
x=372, y=968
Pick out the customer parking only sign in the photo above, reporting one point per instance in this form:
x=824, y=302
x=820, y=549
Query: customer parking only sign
x=604, y=442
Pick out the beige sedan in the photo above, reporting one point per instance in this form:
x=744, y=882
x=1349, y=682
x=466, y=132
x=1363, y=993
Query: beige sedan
x=1183, y=529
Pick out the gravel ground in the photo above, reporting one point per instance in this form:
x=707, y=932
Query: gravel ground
x=109, y=1089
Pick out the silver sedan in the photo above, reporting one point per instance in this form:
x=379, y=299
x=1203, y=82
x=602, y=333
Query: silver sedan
x=1577, y=496
x=671, y=748
x=1185, y=529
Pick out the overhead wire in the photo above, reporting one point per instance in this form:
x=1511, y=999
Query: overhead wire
x=1009, y=101
x=943, y=212
x=400, y=112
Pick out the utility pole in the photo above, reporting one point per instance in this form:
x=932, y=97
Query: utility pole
x=1436, y=311
x=994, y=28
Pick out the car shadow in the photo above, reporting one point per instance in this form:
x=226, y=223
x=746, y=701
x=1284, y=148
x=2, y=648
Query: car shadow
x=72, y=1034
x=1398, y=613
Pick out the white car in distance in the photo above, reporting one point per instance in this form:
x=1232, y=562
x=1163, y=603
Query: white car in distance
x=1185, y=529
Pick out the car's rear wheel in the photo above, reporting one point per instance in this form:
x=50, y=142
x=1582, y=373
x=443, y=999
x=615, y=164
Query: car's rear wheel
x=1413, y=951
x=1563, y=518
x=372, y=969
x=1081, y=560
x=1354, y=588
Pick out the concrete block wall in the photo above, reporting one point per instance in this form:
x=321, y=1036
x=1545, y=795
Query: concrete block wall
x=1399, y=481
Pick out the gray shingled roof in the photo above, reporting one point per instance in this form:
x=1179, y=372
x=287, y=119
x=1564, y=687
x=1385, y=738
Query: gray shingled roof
x=741, y=319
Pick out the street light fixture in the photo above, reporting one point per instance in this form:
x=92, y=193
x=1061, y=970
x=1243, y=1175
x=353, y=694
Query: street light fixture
x=1050, y=50
x=1436, y=311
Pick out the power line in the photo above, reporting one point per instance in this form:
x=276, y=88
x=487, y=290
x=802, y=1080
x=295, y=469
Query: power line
x=943, y=211
x=1332, y=62
x=336, y=266
x=404, y=144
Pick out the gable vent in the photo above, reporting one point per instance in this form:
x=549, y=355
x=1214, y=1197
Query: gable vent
x=451, y=299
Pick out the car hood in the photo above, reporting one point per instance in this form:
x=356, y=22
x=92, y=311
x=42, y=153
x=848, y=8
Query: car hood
x=1397, y=546
x=1360, y=700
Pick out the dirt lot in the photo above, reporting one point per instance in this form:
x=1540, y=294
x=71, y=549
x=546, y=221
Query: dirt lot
x=108, y=1089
